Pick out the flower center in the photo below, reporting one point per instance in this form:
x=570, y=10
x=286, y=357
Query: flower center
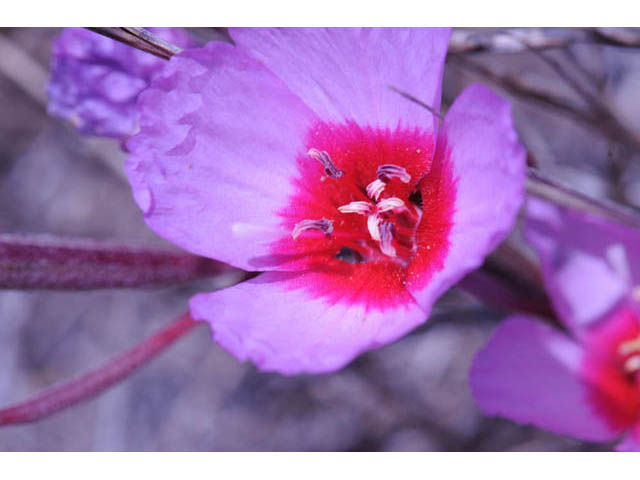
x=391, y=222
x=612, y=366
x=354, y=221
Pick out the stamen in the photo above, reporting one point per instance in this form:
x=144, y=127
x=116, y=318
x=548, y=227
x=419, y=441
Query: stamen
x=390, y=171
x=372, y=224
x=361, y=208
x=632, y=365
x=375, y=189
x=387, y=204
x=629, y=347
x=325, y=160
x=324, y=225
x=386, y=239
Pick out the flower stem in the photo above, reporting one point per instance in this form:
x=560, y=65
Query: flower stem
x=67, y=394
x=31, y=262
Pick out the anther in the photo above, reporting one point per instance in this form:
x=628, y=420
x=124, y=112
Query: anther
x=386, y=239
x=389, y=171
x=387, y=204
x=632, y=365
x=375, y=189
x=629, y=347
x=325, y=160
x=360, y=207
x=324, y=225
x=372, y=225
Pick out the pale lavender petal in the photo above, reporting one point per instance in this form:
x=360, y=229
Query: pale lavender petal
x=95, y=80
x=588, y=264
x=479, y=149
x=217, y=150
x=348, y=73
x=277, y=322
x=529, y=373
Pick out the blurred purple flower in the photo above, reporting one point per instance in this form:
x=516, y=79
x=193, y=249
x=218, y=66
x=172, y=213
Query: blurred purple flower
x=95, y=80
x=585, y=383
x=292, y=152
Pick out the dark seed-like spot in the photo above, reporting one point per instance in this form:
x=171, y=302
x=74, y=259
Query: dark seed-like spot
x=349, y=255
x=416, y=198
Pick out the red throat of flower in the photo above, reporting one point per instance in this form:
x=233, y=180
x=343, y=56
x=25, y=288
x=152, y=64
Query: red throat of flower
x=371, y=214
x=612, y=367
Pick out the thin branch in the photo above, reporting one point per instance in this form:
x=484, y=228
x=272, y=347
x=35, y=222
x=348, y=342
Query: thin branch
x=599, y=109
x=90, y=384
x=542, y=186
x=598, y=121
x=141, y=39
x=504, y=40
x=37, y=262
x=153, y=40
x=596, y=82
x=499, y=41
x=589, y=97
x=619, y=37
x=518, y=89
x=413, y=99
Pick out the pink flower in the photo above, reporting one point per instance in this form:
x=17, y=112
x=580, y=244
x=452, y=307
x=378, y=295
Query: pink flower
x=583, y=383
x=293, y=153
x=95, y=81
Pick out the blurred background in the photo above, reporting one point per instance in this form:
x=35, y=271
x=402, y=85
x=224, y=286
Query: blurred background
x=575, y=97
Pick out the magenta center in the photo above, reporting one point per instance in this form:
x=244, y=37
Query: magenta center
x=371, y=211
x=612, y=367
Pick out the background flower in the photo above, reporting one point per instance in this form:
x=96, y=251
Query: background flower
x=584, y=382
x=95, y=81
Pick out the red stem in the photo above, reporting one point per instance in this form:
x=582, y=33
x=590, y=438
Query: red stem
x=93, y=382
x=36, y=262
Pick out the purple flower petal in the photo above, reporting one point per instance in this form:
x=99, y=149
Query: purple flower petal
x=217, y=149
x=274, y=321
x=588, y=264
x=347, y=73
x=478, y=143
x=631, y=441
x=95, y=80
x=530, y=373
